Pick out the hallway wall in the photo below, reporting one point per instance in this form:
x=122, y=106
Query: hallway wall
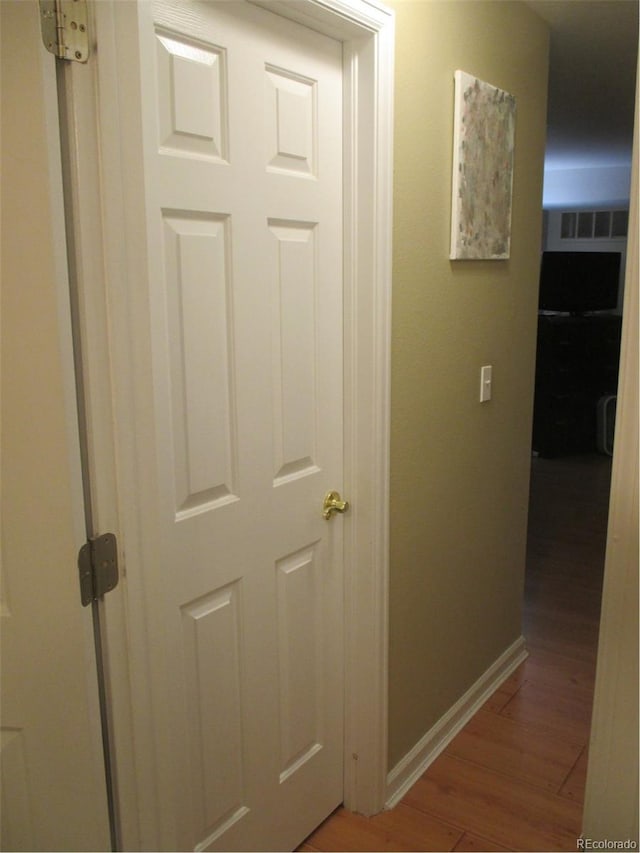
x=459, y=469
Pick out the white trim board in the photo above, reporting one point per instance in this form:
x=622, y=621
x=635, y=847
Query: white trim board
x=409, y=769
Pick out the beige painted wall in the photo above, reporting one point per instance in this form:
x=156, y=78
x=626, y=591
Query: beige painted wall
x=459, y=470
x=611, y=796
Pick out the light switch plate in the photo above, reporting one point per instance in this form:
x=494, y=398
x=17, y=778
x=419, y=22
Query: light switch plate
x=486, y=378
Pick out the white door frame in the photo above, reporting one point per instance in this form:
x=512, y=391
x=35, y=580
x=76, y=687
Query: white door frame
x=102, y=228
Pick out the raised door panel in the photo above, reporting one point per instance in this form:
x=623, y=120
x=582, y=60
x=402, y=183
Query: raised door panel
x=192, y=113
x=16, y=831
x=212, y=641
x=291, y=118
x=299, y=644
x=200, y=340
x=295, y=348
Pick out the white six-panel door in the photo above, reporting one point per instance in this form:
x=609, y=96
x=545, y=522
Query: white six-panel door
x=242, y=257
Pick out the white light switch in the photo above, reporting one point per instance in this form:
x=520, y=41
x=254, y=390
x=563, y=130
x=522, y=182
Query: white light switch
x=485, y=383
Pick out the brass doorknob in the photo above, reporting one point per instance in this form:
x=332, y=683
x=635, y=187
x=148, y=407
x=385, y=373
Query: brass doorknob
x=333, y=503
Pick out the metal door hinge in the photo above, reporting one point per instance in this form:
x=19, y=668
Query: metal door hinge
x=64, y=28
x=98, y=565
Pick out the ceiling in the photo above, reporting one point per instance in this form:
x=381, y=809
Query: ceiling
x=592, y=77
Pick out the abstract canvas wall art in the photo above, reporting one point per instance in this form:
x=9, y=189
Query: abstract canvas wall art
x=483, y=152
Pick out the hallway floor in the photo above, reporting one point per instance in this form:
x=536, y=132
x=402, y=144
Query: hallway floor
x=513, y=778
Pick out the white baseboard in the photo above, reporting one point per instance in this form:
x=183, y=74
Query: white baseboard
x=409, y=769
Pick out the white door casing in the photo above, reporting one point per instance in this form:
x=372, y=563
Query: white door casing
x=367, y=224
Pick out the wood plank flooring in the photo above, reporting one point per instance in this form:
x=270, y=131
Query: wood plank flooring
x=514, y=778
